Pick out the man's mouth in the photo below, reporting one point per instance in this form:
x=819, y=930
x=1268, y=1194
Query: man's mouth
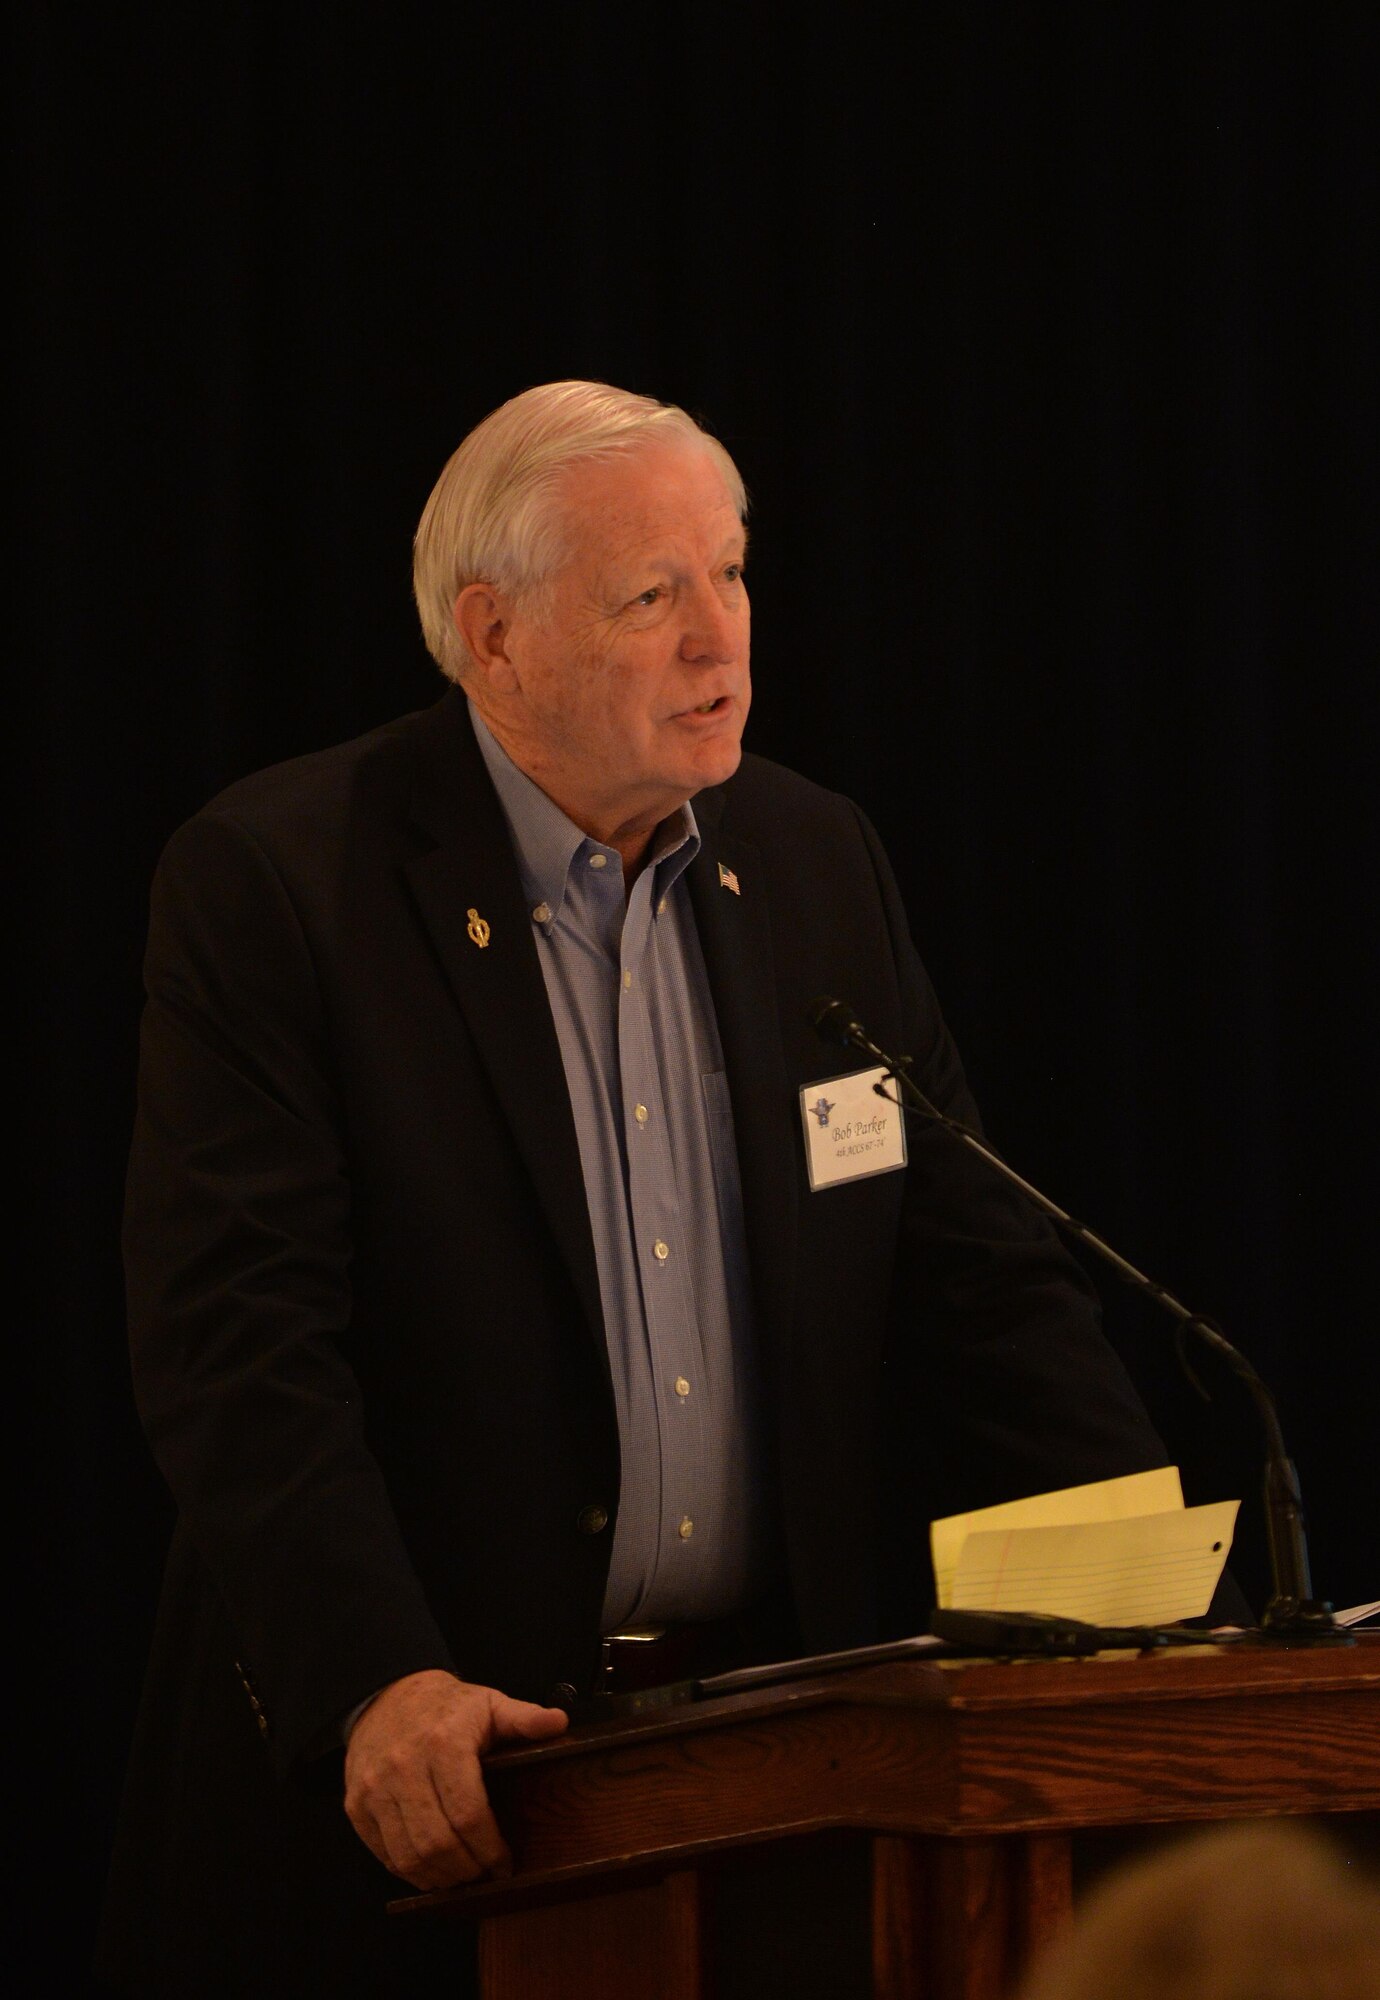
x=720, y=701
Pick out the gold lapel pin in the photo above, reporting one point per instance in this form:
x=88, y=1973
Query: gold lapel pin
x=728, y=880
x=477, y=928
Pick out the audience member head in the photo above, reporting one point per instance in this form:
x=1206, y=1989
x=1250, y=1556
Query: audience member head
x=1249, y=1912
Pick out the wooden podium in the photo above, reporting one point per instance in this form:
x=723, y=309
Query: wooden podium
x=966, y=1779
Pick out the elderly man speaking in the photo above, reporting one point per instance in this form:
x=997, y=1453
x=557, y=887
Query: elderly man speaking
x=488, y=1295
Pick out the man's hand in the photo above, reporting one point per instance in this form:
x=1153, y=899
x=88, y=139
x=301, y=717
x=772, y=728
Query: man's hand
x=414, y=1791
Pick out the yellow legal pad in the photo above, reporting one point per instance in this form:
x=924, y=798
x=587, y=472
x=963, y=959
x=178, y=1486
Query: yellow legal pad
x=1119, y=1552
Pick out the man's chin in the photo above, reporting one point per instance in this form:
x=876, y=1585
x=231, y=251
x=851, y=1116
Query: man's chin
x=716, y=763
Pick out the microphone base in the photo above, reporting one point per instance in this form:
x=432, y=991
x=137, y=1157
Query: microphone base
x=1287, y=1622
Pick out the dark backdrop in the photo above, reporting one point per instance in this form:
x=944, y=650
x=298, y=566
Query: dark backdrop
x=1046, y=340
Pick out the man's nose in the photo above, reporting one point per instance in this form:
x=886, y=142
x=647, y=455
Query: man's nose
x=714, y=629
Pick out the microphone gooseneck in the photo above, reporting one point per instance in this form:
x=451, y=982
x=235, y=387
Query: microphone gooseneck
x=1292, y=1615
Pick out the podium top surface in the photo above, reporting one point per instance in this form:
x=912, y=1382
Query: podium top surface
x=942, y=1682
x=944, y=1747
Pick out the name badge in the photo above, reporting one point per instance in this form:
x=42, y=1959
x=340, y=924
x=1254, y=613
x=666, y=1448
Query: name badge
x=851, y=1132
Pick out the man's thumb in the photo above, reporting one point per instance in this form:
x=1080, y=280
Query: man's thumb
x=526, y=1718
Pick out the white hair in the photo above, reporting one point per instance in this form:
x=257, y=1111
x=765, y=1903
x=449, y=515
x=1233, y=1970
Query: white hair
x=494, y=515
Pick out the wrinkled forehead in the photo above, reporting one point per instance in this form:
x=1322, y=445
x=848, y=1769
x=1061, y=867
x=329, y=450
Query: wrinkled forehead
x=656, y=499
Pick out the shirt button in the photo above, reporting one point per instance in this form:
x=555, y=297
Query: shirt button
x=542, y=913
x=627, y=981
x=592, y=1520
x=682, y=1386
x=640, y=1113
x=598, y=861
x=661, y=1251
x=687, y=1529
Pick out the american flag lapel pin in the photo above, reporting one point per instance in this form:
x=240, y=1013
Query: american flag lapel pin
x=728, y=880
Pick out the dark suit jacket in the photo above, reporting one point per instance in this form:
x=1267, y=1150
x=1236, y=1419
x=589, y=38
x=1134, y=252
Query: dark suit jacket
x=365, y=1314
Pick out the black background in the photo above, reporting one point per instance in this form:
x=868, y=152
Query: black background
x=1046, y=341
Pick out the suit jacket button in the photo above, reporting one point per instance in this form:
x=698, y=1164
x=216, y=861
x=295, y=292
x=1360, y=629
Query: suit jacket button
x=592, y=1520
x=562, y=1695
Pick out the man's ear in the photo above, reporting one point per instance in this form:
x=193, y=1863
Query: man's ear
x=483, y=618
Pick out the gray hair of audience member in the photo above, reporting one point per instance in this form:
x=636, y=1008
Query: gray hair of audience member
x=1260, y=1912
x=494, y=515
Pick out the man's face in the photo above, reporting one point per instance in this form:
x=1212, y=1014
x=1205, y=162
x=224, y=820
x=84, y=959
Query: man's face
x=629, y=693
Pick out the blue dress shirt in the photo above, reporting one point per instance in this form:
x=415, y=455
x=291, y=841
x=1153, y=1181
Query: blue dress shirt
x=635, y=1019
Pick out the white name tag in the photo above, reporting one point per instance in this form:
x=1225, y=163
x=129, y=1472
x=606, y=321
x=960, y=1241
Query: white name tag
x=851, y=1132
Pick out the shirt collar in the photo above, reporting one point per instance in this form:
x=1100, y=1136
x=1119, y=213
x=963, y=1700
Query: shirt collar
x=546, y=842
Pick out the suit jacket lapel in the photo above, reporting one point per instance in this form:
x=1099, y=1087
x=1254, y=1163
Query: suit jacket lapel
x=470, y=876
x=735, y=935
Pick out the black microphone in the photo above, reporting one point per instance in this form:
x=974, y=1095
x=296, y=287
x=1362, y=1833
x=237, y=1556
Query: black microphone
x=835, y=1021
x=1293, y=1614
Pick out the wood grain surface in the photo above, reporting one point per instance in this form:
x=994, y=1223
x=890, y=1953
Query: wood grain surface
x=973, y=1749
x=645, y=1940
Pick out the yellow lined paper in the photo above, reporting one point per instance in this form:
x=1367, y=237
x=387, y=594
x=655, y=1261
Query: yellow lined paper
x=1118, y=1552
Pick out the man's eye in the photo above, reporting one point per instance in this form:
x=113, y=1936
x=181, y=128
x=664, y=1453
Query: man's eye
x=734, y=572
x=648, y=596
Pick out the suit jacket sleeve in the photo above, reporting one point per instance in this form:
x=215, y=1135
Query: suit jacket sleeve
x=238, y=1261
x=1022, y=1389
